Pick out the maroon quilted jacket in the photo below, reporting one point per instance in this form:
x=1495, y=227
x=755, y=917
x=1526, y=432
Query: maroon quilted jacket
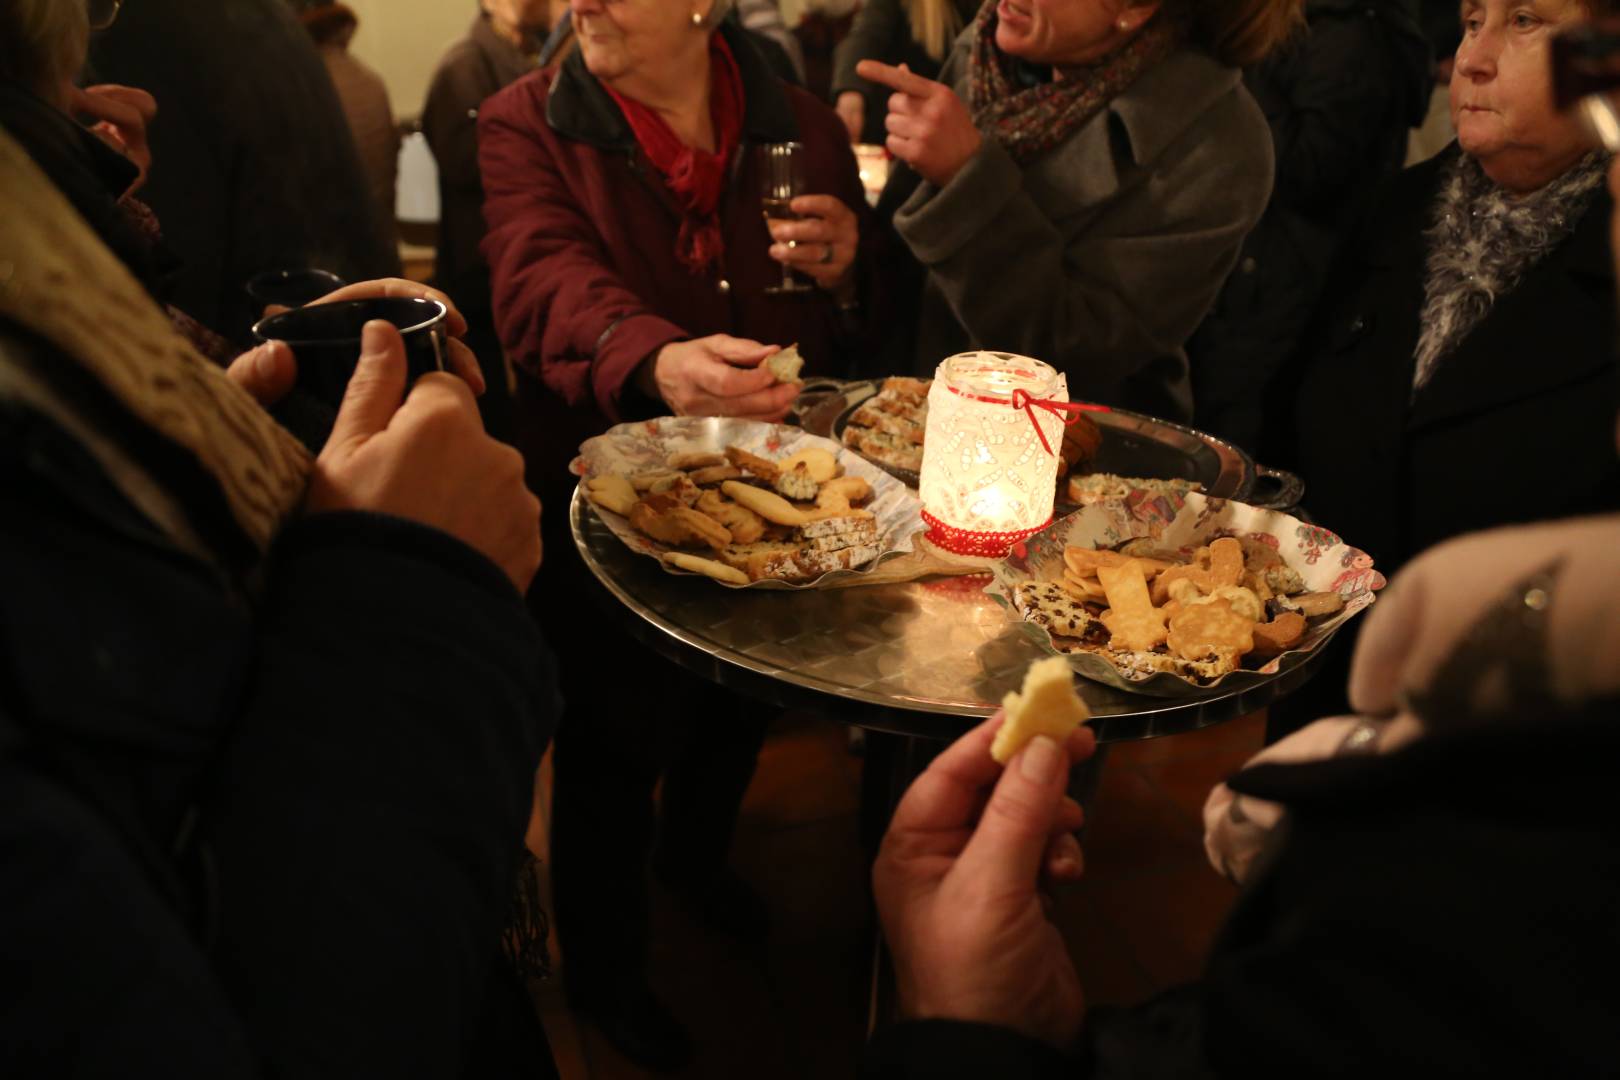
x=581, y=249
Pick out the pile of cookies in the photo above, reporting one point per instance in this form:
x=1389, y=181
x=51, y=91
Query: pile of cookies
x=1092, y=488
x=748, y=518
x=1231, y=603
x=888, y=427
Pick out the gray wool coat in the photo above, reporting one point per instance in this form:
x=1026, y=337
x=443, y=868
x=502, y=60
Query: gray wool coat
x=1102, y=256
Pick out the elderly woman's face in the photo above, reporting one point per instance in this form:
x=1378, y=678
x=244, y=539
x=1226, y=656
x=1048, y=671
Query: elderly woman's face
x=1058, y=31
x=1501, y=92
x=624, y=37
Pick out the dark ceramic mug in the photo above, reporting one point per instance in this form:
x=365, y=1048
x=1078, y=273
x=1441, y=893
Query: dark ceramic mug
x=325, y=339
x=292, y=288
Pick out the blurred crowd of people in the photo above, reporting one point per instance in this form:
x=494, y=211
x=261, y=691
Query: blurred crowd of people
x=278, y=673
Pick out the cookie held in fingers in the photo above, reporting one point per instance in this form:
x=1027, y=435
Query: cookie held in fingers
x=785, y=364
x=1047, y=705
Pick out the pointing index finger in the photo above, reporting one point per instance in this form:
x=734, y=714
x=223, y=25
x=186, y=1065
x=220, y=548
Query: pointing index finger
x=895, y=78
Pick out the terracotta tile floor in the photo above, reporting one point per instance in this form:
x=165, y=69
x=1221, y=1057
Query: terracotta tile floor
x=795, y=1007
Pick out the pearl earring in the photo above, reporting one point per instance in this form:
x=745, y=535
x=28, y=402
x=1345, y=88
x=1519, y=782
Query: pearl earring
x=697, y=19
x=1124, y=24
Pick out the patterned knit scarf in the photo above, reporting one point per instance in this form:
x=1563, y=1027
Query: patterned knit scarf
x=1029, y=122
x=1483, y=241
x=60, y=283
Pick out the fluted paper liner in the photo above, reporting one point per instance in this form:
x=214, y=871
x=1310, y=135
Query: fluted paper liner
x=1183, y=525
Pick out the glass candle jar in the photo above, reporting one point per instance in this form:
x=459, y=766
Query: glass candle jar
x=990, y=452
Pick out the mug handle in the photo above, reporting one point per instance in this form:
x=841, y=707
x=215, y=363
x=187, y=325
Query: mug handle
x=1289, y=489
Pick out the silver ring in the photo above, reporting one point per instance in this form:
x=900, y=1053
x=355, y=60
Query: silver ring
x=827, y=255
x=1361, y=739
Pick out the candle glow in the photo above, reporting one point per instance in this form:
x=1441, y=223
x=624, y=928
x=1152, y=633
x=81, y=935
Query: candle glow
x=986, y=479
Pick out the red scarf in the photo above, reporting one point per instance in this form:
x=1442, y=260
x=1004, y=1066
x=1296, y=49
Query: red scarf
x=695, y=177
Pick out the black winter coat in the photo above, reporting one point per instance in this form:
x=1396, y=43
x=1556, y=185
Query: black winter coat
x=253, y=164
x=1410, y=920
x=1517, y=425
x=1340, y=103
x=245, y=839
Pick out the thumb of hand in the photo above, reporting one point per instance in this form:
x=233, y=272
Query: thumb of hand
x=1007, y=848
x=375, y=389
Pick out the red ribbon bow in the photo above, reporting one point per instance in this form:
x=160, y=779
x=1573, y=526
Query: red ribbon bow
x=1021, y=399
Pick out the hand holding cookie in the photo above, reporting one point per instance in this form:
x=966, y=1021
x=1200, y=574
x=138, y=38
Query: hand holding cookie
x=957, y=888
x=721, y=375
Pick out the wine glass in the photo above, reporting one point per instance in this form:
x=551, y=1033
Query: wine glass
x=781, y=168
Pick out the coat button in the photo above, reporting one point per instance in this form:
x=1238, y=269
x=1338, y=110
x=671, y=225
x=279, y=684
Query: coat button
x=1358, y=324
x=725, y=287
x=1248, y=265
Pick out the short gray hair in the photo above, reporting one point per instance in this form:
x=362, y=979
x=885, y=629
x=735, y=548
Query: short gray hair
x=43, y=42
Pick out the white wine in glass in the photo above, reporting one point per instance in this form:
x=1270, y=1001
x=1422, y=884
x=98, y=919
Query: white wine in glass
x=781, y=170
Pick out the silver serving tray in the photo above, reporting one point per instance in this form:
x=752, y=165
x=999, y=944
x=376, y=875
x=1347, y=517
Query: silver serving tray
x=1133, y=444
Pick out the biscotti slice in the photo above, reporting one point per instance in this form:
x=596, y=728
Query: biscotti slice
x=903, y=427
x=757, y=559
x=853, y=538
x=854, y=521
x=889, y=449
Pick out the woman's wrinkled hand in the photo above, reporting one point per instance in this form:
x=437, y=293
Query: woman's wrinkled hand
x=957, y=883
x=462, y=360
x=851, y=109
x=122, y=115
x=821, y=244
x=427, y=458
x=721, y=376
x=929, y=126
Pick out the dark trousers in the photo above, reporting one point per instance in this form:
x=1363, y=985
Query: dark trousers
x=631, y=718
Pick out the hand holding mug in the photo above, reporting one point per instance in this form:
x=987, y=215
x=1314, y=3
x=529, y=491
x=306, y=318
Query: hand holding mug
x=427, y=458
x=462, y=360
